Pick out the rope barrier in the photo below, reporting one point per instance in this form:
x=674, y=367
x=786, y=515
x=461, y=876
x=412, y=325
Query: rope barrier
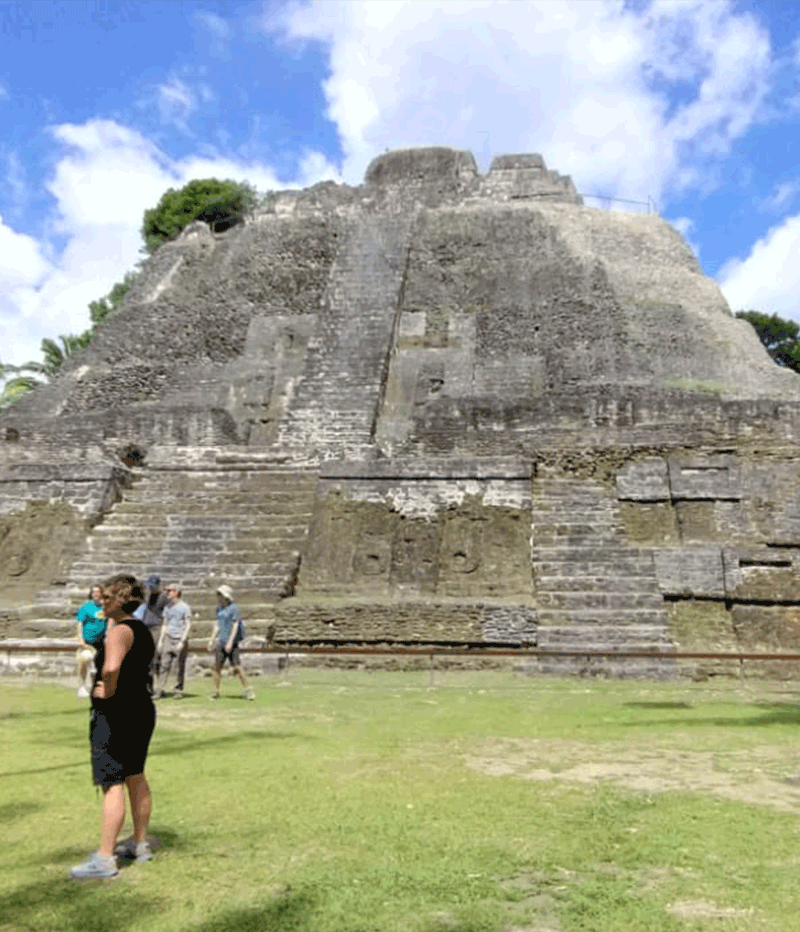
x=477, y=652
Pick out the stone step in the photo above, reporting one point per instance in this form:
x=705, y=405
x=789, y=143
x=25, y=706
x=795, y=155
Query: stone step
x=605, y=583
x=286, y=547
x=592, y=568
x=266, y=588
x=210, y=502
x=184, y=572
x=206, y=524
x=553, y=617
x=640, y=668
x=561, y=528
x=207, y=545
x=585, y=601
x=187, y=475
x=574, y=541
x=238, y=538
x=569, y=636
x=572, y=509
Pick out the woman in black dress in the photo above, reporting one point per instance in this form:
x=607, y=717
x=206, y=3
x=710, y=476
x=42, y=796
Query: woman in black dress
x=122, y=721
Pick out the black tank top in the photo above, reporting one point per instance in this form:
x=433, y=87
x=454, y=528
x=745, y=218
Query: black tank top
x=135, y=683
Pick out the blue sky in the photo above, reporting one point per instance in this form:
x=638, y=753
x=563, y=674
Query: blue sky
x=104, y=105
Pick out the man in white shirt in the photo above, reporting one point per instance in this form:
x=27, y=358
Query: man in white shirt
x=173, y=641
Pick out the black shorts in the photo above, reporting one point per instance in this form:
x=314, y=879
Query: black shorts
x=221, y=655
x=119, y=739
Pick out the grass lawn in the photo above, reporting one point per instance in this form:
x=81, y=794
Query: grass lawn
x=375, y=802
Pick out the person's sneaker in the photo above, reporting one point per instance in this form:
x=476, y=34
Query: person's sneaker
x=82, y=692
x=248, y=694
x=214, y=696
x=95, y=867
x=143, y=852
x=134, y=851
x=126, y=849
x=178, y=694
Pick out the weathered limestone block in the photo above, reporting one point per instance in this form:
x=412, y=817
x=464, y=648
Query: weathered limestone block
x=712, y=478
x=704, y=627
x=653, y=524
x=517, y=177
x=644, y=480
x=691, y=571
x=450, y=538
x=768, y=629
x=762, y=575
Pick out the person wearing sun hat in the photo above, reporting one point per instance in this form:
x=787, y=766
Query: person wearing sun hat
x=225, y=638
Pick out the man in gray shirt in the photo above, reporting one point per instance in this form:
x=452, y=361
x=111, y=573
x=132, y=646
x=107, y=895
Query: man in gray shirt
x=173, y=641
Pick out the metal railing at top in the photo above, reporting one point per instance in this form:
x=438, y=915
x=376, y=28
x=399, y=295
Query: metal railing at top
x=649, y=204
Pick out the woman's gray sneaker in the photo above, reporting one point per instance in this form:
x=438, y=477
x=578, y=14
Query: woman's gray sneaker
x=95, y=867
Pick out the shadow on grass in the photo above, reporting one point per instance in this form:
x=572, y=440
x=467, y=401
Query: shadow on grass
x=23, y=773
x=659, y=705
x=288, y=911
x=775, y=713
x=65, y=905
x=172, y=748
x=301, y=912
x=79, y=710
x=10, y=812
x=179, y=748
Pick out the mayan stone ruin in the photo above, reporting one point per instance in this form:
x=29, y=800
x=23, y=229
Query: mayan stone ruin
x=441, y=407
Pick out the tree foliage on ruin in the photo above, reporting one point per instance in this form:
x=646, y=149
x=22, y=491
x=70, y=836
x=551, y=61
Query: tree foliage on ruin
x=107, y=306
x=778, y=336
x=219, y=202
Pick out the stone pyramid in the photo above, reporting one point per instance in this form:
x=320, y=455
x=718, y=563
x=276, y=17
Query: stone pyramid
x=438, y=408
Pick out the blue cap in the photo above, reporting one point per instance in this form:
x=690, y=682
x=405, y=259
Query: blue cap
x=153, y=581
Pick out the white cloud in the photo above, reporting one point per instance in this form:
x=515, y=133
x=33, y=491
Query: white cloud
x=176, y=101
x=108, y=175
x=768, y=279
x=781, y=197
x=586, y=84
x=23, y=268
x=105, y=179
x=216, y=25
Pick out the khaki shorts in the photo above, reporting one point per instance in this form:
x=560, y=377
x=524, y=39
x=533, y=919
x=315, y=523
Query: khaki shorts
x=221, y=655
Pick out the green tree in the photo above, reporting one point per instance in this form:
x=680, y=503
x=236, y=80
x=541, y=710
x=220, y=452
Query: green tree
x=107, y=306
x=11, y=385
x=222, y=203
x=54, y=356
x=779, y=337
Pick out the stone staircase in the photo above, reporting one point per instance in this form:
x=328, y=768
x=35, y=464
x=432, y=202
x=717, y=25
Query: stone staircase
x=202, y=527
x=335, y=403
x=593, y=590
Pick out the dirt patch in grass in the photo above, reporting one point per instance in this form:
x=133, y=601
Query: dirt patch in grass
x=690, y=910
x=753, y=775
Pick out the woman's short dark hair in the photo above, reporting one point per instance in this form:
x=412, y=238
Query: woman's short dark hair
x=128, y=589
